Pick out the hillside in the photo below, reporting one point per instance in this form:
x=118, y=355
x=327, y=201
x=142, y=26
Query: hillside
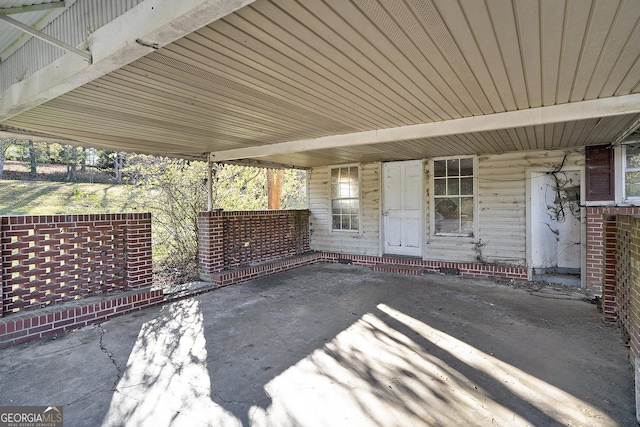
x=14, y=170
x=47, y=198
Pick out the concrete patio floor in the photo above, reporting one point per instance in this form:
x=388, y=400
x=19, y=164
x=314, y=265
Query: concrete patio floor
x=337, y=345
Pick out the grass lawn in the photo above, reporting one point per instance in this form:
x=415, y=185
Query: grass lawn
x=48, y=198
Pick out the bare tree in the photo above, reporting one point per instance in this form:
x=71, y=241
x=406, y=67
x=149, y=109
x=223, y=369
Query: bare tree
x=118, y=165
x=4, y=145
x=83, y=160
x=72, y=163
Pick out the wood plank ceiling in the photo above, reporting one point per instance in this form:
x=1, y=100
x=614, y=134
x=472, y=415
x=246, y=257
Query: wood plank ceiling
x=280, y=71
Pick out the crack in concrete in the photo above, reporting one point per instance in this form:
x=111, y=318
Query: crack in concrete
x=86, y=396
x=104, y=349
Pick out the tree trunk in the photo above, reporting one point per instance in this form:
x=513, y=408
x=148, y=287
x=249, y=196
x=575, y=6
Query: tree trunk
x=74, y=164
x=274, y=187
x=32, y=159
x=118, y=163
x=3, y=150
x=83, y=160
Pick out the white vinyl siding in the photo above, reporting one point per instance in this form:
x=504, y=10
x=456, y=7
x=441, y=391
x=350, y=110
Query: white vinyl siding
x=500, y=215
x=501, y=210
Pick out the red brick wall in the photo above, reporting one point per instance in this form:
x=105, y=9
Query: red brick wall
x=478, y=271
x=52, y=259
x=610, y=257
x=30, y=325
x=234, y=239
x=595, y=243
x=625, y=293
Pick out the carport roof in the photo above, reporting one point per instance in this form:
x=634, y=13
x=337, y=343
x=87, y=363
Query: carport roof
x=312, y=83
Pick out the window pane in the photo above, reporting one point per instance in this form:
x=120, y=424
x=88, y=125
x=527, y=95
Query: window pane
x=453, y=185
x=446, y=215
x=344, y=174
x=354, y=207
x=440, y=187
x=632, y=184
x=346, y=222
x=453, y=167
x=466, y=186
x=633, y=156
x=336, y=222
x=466, y=167
x=355, y=222
x=334, y=182
x=336, y=207
x=439, y=168
x=353, y=188
x=353, y=173
x=466, y=215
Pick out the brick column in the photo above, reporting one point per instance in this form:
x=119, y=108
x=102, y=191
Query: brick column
x=595, y=249
x=635, y=290
x=609, y=267
x=4, y=253
x=138, y=262
x=210, y=244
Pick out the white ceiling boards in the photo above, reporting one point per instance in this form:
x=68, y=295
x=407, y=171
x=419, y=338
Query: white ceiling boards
x=310, y=83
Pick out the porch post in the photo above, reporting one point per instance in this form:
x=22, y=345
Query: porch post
x=209, y=183
x=210, y=244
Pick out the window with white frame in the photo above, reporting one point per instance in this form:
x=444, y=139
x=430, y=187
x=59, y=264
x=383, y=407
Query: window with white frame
x=631, y=164
x=345, y=198
x=453, y=196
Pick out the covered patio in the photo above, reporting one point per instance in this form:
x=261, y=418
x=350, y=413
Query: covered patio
x=333, y=344
x=522, y=116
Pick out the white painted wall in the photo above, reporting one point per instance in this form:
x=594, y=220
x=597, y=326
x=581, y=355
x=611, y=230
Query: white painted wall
x=501, y=213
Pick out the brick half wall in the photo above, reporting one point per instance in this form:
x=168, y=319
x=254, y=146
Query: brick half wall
x=595, y=243
x=235, y=239
x=622, y=277
x=52, y=259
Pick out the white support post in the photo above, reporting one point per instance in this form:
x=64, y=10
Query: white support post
x=210, y=183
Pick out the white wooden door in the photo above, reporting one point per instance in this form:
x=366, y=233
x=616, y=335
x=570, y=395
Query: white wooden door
x=555, y=220
x=402, y=208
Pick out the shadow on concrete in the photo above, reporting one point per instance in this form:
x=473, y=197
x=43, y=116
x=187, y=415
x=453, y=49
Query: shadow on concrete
x=340, y=345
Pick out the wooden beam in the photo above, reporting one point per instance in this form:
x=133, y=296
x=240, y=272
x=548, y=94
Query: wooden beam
x=45, y=37
x=583, y=110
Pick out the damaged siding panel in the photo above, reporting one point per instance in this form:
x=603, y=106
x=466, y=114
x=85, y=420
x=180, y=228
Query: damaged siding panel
x=365, y=242
x=501, y=210
x=503, y=201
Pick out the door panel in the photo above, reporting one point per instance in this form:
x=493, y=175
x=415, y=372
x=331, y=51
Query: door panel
x=555, y=221
x=402, y=208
